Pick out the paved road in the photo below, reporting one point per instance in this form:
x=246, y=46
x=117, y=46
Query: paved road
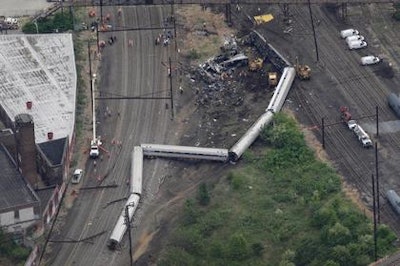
x=130, y=71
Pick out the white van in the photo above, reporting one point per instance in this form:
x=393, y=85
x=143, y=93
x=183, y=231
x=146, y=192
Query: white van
x=354, y=38
x=348, y=32
x=357, y=44
x=370, y=60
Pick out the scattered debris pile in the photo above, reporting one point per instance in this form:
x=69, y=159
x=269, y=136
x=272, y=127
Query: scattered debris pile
x=220, y=79
x=220, y=76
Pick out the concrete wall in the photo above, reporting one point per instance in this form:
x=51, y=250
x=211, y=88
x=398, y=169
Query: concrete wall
x=27, y=216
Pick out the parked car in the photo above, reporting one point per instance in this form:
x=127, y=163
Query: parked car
x=355, y=38
x=77, y=176
x=370, y=60
x=357, y=45
x=348, y=32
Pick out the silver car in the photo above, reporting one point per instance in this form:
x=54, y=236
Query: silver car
x=77, y=176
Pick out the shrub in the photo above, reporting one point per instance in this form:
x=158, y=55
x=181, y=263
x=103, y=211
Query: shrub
x=238, y=247
x=190, y=213
x=194, y=54
x=203, y=195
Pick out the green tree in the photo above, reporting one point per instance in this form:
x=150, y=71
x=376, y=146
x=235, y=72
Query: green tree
x=190, y=213
x=336, y=235
x=10, y=250
x=238, y=247
x=60, y=22
x=386, y=239
x=341, y=255
x=324, y=216
x=283, y=132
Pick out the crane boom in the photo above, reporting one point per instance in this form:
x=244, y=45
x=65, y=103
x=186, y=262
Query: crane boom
x=95, y=142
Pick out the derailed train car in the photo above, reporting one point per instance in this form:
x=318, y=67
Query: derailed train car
x=394, y=103
x=394, y=200
x=121, y=226
x=136, y=170
x=282, y=90
x=250, y=136
x=277, y=100
x=135, y=191
x=275, y=105
x=185, y=152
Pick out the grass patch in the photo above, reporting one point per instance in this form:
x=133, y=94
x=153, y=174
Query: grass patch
x=283, y=207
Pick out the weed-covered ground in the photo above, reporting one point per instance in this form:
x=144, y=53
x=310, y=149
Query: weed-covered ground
x=282, y=207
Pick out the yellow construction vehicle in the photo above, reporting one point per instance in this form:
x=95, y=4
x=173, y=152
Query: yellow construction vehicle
x=256, y=64
x=272, y=79
x=303, y=72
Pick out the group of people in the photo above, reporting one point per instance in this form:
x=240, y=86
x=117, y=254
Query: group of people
x=165, y=37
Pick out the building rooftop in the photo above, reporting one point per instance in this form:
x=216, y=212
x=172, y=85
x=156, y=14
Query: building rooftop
x=45, y=195
x=54, y=150
x=14, y=191
x=22, y=7
x=39, y=68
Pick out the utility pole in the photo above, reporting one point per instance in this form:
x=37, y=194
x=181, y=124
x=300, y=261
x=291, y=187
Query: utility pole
x=170, y=88
x=101, y=12
x=377, y=121
x=374, y=213
x=377, y=183
x=128, y=224
x=313, y=29
x=323, y=133
x=97, y=38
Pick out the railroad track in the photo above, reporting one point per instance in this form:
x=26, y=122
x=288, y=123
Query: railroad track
x=360, y=89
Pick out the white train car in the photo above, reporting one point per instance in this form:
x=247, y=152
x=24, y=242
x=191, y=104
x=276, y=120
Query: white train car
x=121, y=226
x=282, y=90
x=250, y=136
x=185, y=152
x=394, y=200
x=275, y=105
x=136, y=170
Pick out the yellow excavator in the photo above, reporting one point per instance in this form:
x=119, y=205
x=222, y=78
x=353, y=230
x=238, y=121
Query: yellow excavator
x=303, y=72
x=256, y=64
x=272, y=79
